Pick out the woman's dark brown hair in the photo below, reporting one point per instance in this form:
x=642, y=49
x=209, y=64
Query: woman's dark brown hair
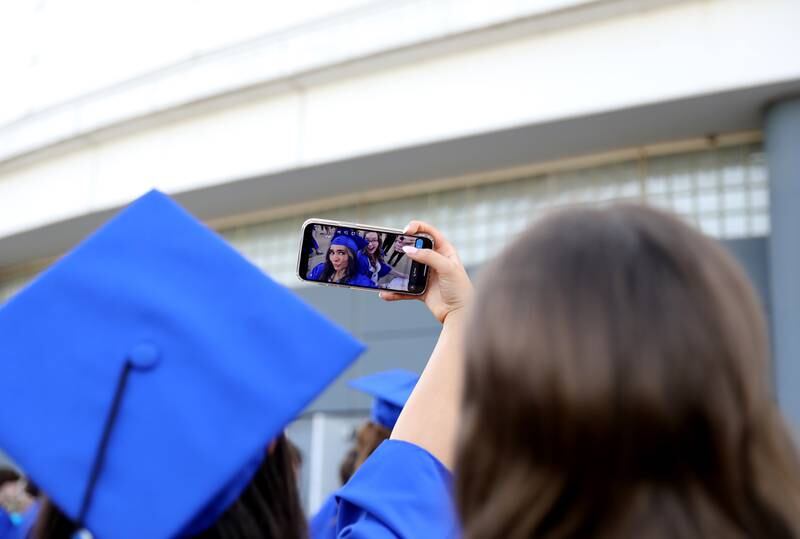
x=348, y=465
x=368, y=438
x=7, y=475
x=268, y=508
x=618, y=385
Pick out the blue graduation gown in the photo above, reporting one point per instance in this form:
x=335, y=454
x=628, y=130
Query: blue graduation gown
x=357, y=279
x=363, y=267
x=316, y=272
x=323, y=524
x=400, y=491
x=361, y=280
x=5, y=524
x=23, y=529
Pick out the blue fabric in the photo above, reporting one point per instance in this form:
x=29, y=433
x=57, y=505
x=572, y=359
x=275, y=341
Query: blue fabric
x=385, y=413
x=400, y=491
x=218, y=361
x=391, y=390
x=23, y=528
x=393, y=386
x=358, y=279
x=353, y=234
x=361, y=280
x=363, y=267
x=363, y=264
x=316, y=273
x=346, y=241
x=6, y=526
x=323, y=524
x=225, y=497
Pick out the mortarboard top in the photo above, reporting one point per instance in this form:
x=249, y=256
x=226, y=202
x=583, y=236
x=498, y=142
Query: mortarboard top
x=391, y=390
x=143, y=375
x=351, y=233
x=345, y=241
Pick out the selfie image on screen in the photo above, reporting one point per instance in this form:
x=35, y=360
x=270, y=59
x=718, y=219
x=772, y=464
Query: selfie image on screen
x=363, y=258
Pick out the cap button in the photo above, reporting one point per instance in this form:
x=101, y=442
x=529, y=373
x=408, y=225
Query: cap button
x=144, y=356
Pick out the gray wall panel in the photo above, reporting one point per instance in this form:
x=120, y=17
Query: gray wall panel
x=337, y=304
x=397, y=335
x=373, y=316
x=783, y=160
x=752, y=255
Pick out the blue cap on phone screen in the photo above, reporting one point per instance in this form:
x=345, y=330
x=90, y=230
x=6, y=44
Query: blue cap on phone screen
x=346, y=242
x=351, y=233
x=149, y=369
x=391, y=390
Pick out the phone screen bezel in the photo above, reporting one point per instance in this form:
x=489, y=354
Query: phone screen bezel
x=305, y=244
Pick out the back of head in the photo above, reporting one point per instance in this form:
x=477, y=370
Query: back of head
x=348, y=465
x=368, y=437
x=8, y=475
x=269, y=507
x=618, y=384
x=390, y=390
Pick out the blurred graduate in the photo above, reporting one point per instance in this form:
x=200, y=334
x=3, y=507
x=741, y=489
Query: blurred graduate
x=154, y=370
x=390, y=391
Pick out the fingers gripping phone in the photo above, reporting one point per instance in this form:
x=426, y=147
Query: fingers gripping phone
x=336, y=253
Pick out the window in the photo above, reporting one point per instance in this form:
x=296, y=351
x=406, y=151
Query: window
x=723, y=192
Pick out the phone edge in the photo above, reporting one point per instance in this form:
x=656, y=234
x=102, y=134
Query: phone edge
x=348, y=224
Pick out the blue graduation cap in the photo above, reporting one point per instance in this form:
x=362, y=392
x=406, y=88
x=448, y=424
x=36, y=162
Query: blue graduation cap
x=351, y=233
x=347, y=241
x=148, y=370
x=391, y=390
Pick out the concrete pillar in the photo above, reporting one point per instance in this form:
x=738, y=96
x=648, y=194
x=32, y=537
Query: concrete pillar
x=783, y=162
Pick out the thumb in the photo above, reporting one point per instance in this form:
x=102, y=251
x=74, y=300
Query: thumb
x=429, y=257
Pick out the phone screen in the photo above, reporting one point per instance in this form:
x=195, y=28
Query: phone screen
x=362, y=258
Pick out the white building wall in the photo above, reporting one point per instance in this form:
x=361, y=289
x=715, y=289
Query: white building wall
x=723, y=190
x=545, y=67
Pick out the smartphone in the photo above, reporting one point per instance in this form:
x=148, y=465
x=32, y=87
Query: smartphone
x=335, y=253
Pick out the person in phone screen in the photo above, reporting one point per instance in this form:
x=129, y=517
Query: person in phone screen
x=370, y=259
x=398, y=253
x=372, y=263
x=341, y=265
